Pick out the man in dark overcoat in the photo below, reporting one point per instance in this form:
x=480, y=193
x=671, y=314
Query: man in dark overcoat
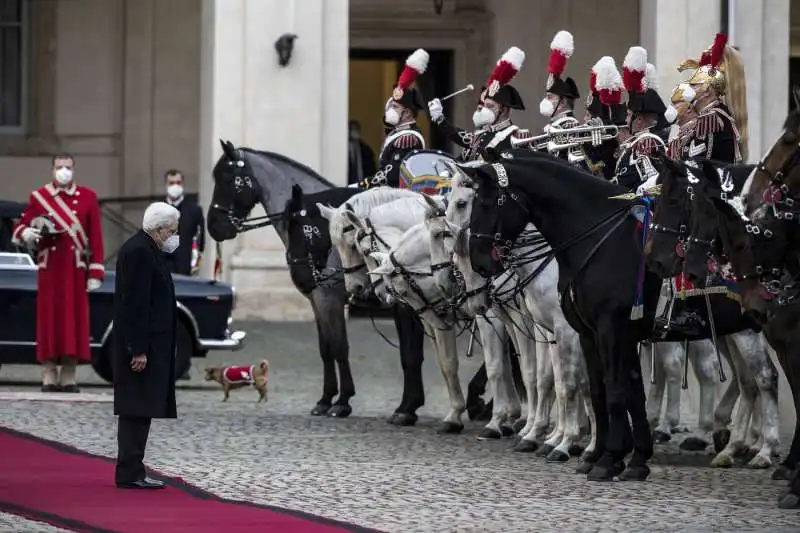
x=145, y=324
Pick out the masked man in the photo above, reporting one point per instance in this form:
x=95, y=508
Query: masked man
x=648, y=126
x=558, y=104
x=604, y=107
x=714, y=131
x=492, y=117
x=401, y=116
x=62, y=223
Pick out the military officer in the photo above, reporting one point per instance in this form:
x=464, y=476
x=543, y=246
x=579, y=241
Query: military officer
x=558, y=104
x=604, y=107
x=492, y=116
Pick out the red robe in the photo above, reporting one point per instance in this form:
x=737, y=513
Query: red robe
x=66, y=261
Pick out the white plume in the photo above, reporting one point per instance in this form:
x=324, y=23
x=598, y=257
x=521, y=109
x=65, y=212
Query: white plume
x=515, y=56
x=651, y=77
x=418, y=60
x=636, y=59
x=564, y=43
x=608, y=77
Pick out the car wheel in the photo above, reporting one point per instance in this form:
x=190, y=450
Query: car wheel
x=185, y=351
x=101, y=360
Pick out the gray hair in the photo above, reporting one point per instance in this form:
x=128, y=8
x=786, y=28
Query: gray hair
x=159, y=215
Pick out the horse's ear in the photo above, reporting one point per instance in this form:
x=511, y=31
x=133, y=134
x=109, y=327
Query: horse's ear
x=384, y=266
x=296, y=201
x=432, y=207
x=326, y=211
x=353, y=219
x=228, y=148
x=348, y=207
x=461, y=246
x=483, y=180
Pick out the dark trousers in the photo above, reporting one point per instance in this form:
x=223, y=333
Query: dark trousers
x=132, y=433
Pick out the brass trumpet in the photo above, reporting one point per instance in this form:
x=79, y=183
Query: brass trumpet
x=534, y=142
x=566, y=138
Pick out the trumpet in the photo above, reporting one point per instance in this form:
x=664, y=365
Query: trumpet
x=571, y=137
x=534, y=142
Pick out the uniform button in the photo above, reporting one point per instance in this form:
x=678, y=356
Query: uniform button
x=74, y=202
x=74, y=212
x=78, y=193
x=52, y=247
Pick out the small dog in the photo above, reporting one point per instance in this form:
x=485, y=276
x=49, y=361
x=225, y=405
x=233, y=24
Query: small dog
x=236, y=377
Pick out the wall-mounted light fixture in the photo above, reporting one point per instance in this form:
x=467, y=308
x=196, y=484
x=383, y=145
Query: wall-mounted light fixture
x=285, y=46
x=437, y=6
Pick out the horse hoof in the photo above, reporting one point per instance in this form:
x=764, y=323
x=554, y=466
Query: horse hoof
x=789, y=501
x=488, y=433
x=721, y=439
x=601, y=473
x=759, y=462
x=693, y=444
x=659, y=437
x=545, y=450
x=584, y=467
x=575, y=450
x=403, y=419
x=520, y=424
x=320, y=409
x=722, y=461
x=475, y=407
x=525, y=446
x=635, y=473
x=783, y=473
x=507, y=431
x=450, y=428
x=557, y=456
x=339, y=411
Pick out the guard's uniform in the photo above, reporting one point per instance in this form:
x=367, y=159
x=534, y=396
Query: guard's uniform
x=634, y=165
x=604, y=105
x=66, y=262
x=401, y=139
x=564, y=89
x=713, y=135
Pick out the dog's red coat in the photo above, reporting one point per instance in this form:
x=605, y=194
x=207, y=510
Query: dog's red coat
x=238, y=374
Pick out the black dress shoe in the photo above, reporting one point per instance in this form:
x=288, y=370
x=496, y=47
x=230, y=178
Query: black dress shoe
x=50, y=388
x=146, y=484
x=70, y=388
x=686, y=323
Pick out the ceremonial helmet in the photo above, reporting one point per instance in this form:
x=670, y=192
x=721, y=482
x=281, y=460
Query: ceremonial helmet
x=641, y=81
x=708, y=70
x=498, y=87
x=403, y=93
x=605, y=98
x=44, y=225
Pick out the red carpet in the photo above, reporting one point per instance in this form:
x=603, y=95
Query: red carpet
x=72, y=489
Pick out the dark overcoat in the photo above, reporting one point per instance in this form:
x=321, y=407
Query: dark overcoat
x=190, y=224
x=145, y=322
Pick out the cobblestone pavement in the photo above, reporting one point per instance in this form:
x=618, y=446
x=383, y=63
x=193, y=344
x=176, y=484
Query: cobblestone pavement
x=395, y=479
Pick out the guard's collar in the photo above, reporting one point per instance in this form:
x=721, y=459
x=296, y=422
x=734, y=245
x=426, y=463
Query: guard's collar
x=494, y=127
x=404, y=126
x=54, y=189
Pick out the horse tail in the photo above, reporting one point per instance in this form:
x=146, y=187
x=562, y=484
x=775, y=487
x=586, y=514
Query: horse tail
x=736, y=94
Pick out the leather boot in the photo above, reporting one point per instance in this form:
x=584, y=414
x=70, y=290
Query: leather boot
x=66, y=377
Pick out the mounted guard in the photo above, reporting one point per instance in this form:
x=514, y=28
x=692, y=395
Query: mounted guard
x=492, y=117
x=716, y=93
x=604, y=107
x=648, y=126
x=400, y=115
x=558, y=104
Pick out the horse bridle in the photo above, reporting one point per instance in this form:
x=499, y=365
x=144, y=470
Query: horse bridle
x=316, y=265
x=439, y=307
x=243, y=182
x=778, y=194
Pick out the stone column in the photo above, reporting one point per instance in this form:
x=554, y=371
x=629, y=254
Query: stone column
x=299, y=110
x=674, y=30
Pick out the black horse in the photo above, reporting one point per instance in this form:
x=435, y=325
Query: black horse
x=244, y=178
x=598, y=246
x=766, y=260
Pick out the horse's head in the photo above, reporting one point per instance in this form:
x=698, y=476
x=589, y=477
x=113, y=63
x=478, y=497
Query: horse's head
x=441, y=234
x=476, y=287
x=775, y=183
x=369, y=243
x=671, y=219
x=236, y=192
x=497, y=218
x=309, y=243
x=343, y=227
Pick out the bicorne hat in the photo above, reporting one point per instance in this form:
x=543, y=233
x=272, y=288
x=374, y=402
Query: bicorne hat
x=641, y=82
x=498, y=86
x=561, y=49
x=403, y=93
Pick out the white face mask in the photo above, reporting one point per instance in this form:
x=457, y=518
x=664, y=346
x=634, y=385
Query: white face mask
x=171, y=244
x=175, y=191
x=63, y=176
x=483, y=117
x=546, y=108
x=391, y=116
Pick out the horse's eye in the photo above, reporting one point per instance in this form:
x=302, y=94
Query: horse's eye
x=461, y=204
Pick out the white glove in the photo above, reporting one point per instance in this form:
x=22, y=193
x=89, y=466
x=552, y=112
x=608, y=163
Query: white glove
x=31, y=236
x=436, y=110
x=93, y=284
x=649, y=184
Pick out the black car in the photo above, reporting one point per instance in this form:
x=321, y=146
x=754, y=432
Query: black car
x=204, y=310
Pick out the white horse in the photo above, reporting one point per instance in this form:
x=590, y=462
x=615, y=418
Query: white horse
x=407, y=270
x=560, y=364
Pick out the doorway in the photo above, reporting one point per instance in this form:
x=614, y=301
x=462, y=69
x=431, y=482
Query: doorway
x=373, y=74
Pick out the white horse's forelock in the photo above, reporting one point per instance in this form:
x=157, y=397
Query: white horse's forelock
x=362, y=203
x=413, y=249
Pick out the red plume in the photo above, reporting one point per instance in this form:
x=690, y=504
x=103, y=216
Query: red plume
x=593, y=81
x=713, y=56
x=507, y=67
x=634, y=69
x=415, y=65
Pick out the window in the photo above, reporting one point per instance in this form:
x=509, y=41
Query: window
x=12, y=65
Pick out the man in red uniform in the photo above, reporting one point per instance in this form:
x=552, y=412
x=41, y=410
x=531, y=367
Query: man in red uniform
x=62, y=223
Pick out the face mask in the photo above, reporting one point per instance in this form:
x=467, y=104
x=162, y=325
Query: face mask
x=63, y=176
x=483, y=117
x=391, y=116
x=175, y=191
x=171, y=244
x=546, y=108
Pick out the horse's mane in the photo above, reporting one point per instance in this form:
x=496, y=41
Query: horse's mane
x=413, y=244
x=403, y=208
x=291, y=162
x=792, y=122
x=362, y=204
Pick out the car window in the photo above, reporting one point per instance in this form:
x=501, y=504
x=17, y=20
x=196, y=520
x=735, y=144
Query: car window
x=15, y=260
